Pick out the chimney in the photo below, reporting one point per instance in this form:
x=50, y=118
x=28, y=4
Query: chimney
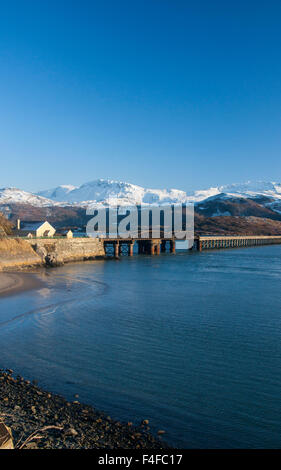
x=18, y=224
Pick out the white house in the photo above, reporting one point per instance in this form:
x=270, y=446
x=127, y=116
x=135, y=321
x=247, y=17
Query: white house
x=41, y=229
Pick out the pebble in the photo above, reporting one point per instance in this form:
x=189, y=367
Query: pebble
x=31, y=445
x=72, y=432
x=80, y=427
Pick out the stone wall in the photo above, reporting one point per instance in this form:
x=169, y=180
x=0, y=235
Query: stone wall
x=16, y=253
x=58, y=251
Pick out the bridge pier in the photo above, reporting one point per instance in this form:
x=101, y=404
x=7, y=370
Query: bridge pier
x=149, y=246
x=131, y=249
x=116, y=249
x=153, y=248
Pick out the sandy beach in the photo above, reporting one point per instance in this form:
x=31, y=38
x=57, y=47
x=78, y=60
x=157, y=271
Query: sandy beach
x=12, y=283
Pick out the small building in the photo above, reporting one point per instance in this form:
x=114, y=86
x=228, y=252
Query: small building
x=41, y=229
x=65, y=233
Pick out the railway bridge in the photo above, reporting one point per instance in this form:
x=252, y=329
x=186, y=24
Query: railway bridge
x=125, y=246
x=217, y=242
x=154, y=246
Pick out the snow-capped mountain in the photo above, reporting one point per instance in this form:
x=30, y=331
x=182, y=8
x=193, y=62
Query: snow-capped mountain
x=265, y=194
x=110, y=192
x=57, y=194
x=252, y=189
x=17, y=196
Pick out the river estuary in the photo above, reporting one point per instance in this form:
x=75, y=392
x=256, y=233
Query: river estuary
x=191, y=342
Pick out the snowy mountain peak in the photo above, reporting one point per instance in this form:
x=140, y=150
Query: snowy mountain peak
x=15, y=195
x=58, y=193
x=251, y=187
x=110, y=192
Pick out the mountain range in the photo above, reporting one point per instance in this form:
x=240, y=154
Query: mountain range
x=110, y=192
x=219, y=209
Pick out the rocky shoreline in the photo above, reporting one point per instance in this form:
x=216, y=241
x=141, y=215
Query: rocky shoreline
x=43, y=420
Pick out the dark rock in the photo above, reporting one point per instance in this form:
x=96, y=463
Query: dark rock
x=29, y=408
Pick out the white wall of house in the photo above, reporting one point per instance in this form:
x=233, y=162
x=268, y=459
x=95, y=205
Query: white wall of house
x=45, y=230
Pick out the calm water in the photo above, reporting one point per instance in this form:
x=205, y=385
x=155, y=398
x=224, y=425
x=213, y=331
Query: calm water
x=191, y=342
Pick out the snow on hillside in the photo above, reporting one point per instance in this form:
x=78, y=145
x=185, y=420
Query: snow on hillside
x=17, y=196
x=59, y=193
x=108, y=191
x=252, y=189
x=111, y=192
x=201, y=195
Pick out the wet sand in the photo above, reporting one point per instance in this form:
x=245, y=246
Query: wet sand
x=13, y=283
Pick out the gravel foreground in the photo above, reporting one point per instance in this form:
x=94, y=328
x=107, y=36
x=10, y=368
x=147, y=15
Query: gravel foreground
x=42, y=420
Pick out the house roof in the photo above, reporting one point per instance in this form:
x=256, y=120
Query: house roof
x=33, y=226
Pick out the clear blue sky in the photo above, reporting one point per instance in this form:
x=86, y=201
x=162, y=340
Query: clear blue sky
x=161, y=93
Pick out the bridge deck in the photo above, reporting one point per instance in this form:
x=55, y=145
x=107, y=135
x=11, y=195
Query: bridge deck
x=239, y=241
x=154, y=246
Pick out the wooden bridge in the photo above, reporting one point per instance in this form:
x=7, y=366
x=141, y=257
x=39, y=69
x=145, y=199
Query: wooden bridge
x=154, y=246
x=209, y=243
